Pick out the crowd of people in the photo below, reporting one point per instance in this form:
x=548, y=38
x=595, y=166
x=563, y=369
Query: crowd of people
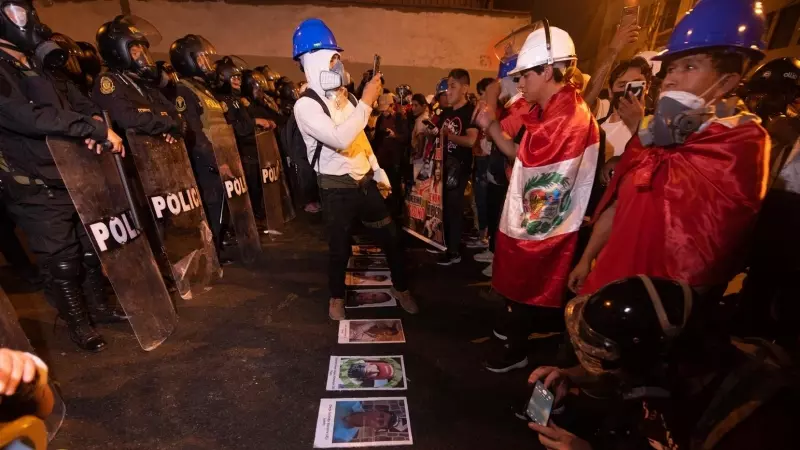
x=616, y=207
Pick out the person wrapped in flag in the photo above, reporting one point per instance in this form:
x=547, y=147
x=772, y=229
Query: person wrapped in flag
x=549, y=188
x=687, y=190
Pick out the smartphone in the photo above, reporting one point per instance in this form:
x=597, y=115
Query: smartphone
x=630, y=14
x=636, y=88
x=540, y=404
x=376, y=65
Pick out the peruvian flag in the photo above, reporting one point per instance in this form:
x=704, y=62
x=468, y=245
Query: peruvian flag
x=548, y=193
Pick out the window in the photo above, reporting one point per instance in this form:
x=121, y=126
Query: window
x=670, y=15
x=768, y=25
x=784, y=29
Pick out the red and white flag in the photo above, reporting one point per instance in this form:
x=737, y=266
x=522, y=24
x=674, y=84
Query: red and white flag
x=547, y=197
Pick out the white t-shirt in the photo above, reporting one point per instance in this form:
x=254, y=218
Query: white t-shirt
x=617, y=136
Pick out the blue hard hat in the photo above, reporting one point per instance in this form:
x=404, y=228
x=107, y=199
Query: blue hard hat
x=442, y=86
x=310, y=35
x=507, y=65
x=719, y=24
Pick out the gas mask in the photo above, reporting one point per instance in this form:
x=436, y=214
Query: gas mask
x=333, y=79
x=143, y=63
x=20, y=26
x=678, y=114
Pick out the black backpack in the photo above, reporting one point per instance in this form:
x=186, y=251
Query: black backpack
x=295, y=146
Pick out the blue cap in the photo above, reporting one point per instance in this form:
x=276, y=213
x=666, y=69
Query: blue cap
x=442, y=86
x=719, y=24
x=310, y=35
x=507, y=64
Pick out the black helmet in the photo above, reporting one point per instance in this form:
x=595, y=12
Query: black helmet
x=254, y=85
x=773, y=87
x=20, y=26
x=226, y=69
x=116, y=38
x=287, y=91
x=91, y=63
x=272, y=78
x=628, y=325
x=192, y=56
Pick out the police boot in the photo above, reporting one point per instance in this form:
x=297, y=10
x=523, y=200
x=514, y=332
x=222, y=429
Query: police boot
x=65, y=284
x=101, y=308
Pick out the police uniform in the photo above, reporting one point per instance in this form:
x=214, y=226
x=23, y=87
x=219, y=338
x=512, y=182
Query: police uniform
x=244, y=127
x=193, y=100
x=31, y=109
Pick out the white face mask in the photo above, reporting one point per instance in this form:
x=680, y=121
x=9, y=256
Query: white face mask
x=330, y=80
x=687, y=99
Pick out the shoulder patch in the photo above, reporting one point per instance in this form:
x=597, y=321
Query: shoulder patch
x=180, y=104
x=106, y=85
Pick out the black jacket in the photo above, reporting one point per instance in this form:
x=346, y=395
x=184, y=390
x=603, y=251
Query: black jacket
x=32, y=108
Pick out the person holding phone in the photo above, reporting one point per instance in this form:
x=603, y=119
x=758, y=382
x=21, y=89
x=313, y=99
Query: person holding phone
x=629, y=82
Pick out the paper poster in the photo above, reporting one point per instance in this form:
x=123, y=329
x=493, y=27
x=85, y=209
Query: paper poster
x=368, y=263
x=367, y=278
x=369, y=298
x=366, y=373
x=371, y=331
x=423, y=205
x=363, y=422
x=367, y=250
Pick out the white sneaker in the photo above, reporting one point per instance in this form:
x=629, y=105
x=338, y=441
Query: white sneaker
x=488, y=271
x=484, y=256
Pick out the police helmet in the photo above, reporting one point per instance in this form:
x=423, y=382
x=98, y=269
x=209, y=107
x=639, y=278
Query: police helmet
x=192, y=56
x=115, y=40
x=91, y=63
x=254, y=85
x=629, y=325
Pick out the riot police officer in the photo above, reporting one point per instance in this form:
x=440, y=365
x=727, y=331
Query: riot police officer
x=287, y=95
x=129, y=89
x=254, y=88
x=228, y=89
x=191, y=56
x=32, y=108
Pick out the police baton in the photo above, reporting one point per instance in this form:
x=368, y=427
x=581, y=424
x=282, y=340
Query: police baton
x=126, y=186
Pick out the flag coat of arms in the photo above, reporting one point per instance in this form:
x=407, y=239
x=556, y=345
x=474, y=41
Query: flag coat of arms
x=547, y=196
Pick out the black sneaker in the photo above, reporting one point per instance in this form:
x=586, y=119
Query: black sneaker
x=447, y=260
x=506, y=363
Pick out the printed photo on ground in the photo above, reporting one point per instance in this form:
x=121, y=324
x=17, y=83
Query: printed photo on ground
x=371, y=331
x=369, y=298
x=366, y=373
x=366, y=250
x=368, y=263
x=363, y=422
x=368, y=278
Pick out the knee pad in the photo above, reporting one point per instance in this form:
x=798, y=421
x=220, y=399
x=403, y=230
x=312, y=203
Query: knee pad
x=91, y=260
x=64, y=269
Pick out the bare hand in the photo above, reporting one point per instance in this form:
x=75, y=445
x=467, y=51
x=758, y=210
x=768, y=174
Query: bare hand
x=578, y=276
x=225, y=171
x=18, y=367
x=556, y=438
x=484, y=117
x=631, y=111
x=169, y=138
x=385, y=190
x=553, y=379
x=390, y=132
x=372, y=90
x=626, y=34
x=266, y=124
x=607, y=173
x=116, y=143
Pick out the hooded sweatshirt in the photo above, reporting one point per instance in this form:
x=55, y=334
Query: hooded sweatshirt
x=345, y=147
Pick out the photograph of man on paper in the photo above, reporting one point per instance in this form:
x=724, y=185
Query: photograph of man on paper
x=363, y=422
x=368, y=278
x=368, y=263
x=355, y=373
x=369, y=298
x=366, y=250
x=371, y=331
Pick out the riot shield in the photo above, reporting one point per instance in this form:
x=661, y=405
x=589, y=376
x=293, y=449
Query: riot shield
x=269, y=161
x=235, y=191
x=173, y=200
x=12, y=336
x=286, y=199
x=97, y=191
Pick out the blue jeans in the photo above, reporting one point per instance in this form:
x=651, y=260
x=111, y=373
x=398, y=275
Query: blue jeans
x=479, y=188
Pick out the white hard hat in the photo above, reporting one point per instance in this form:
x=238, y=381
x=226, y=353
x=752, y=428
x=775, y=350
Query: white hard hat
x=535, y=51
x=648, y=56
